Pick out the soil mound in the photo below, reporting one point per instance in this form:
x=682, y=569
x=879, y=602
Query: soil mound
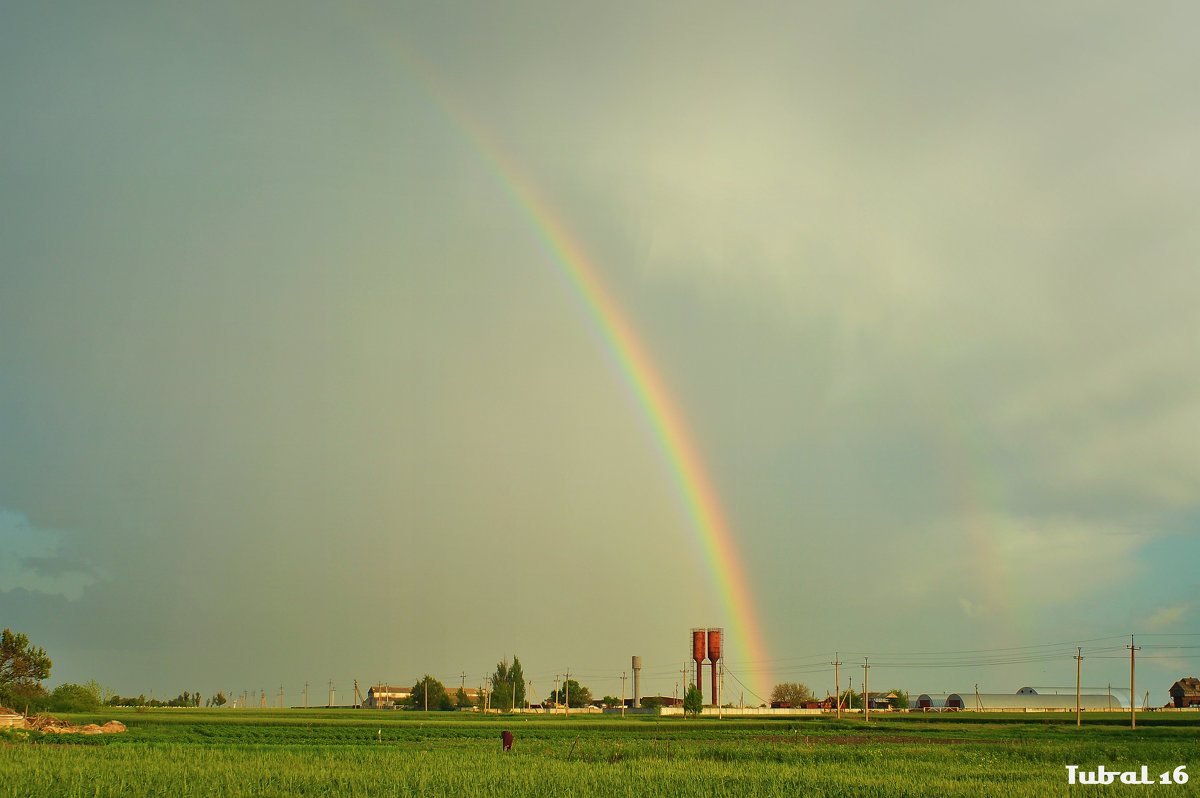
x=48, y=724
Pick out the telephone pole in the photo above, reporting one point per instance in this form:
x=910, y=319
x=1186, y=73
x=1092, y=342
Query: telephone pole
x=721, y=691
x=623, y=693
x=837, y=683
x=306, y=695
x=567, y=693
x=1078, y=663
x=866, y=691
x=1132, y=699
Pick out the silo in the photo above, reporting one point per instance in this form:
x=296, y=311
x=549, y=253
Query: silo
x=698, y=649
x=637, y=681
x=714, y=654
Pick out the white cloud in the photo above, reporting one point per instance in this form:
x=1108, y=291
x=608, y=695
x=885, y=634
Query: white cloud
x=1167, y=617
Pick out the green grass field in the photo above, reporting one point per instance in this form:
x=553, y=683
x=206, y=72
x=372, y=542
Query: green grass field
x=365, y=752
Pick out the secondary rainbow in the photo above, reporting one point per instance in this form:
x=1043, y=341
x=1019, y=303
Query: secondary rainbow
x=710, y=527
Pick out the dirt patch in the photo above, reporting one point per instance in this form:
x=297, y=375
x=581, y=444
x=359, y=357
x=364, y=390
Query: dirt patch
x=48, y=724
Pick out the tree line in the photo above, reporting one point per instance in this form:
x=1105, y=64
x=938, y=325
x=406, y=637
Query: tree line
x=505, y=691
x=797, y=694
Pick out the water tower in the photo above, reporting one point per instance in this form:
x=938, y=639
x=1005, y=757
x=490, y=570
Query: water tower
x=714, y=654
x=699, y=645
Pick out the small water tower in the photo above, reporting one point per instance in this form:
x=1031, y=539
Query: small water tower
x=714, y=655
x=699, y=646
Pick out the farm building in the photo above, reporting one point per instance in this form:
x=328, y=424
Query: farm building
x=1030, y=702
x=1185, y=693
x=881, y=700
x=385, y=695
x=932, y=700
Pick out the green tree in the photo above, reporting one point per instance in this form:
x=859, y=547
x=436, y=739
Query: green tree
x=851, y=699
x=575, y=694
x=901, y=699
x=102, y=693
x=73, y=698
x=22, y=668
x=462, y=700
x=794, y=694
x=219, y=700
x=693, y=701
x=516, y=675
x=436, y=696
x=610, y=701
x=653, y=702
x=508, y=685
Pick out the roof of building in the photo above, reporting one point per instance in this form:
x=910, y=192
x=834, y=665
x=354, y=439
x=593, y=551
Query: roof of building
x=1188, y=685
x=386, y=689
x=988, y=701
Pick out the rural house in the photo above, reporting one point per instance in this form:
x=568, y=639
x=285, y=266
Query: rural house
x=1186, y=692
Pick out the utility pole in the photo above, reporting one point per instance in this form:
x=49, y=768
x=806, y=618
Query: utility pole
x=331, y=693
x=427, y=693
x=281, y=696
x=1078, y=709
x=557, y=692
x=622, y=693
x=866, y=691
x=837, y=683
x=721, y=691
x=1132, y=700
x=567, y=693
x=306, y=695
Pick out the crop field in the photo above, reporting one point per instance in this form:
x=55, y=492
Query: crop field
x=365, y=752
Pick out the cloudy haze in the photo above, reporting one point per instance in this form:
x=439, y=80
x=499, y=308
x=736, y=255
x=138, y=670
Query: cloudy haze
x=292, y=390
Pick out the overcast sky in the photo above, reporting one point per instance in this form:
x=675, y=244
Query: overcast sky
x=291, y=389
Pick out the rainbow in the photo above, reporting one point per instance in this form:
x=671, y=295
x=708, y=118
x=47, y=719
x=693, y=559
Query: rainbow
x=712, y=532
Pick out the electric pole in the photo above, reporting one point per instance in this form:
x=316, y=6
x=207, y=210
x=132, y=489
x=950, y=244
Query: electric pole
x=622, y=693
x=1132, y=700
x=866, y=691
x=721, y=691
x=1078, y=663
x=306, y=695
x=837, y=683
x=567, y=693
